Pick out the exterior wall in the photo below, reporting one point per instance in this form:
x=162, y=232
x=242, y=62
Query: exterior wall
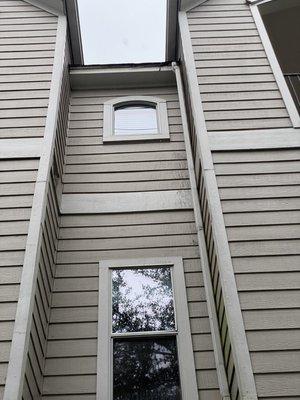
x=70, y=369
x=27, y=43
x=17, y=186
x=39, y=328
x=260, y=191
x=214, y=261
x=237, y=86
x=46, y=270
x=28, y=36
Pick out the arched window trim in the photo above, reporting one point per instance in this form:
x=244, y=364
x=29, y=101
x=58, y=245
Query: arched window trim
x=162, y=118
x=280, y=80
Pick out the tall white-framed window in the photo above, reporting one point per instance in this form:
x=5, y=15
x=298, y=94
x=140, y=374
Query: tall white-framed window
x=135, y=118
x=278, y=26
x=144, y=339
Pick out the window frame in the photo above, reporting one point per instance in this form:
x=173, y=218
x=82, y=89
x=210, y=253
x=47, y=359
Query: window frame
x=160, y=105
x=274, y=64
x=187, y=370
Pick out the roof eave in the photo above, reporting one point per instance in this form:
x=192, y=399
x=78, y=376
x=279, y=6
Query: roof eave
x=55, y=7
x=172, y=30
x=122, y=76
x=74, y=31
x=187, y=5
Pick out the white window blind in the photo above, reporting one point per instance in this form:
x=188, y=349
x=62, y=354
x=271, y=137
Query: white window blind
x=135, y=119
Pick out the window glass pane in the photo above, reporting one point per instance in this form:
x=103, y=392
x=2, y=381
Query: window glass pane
x=135, y=120
x=142, y=300
x=145, y=369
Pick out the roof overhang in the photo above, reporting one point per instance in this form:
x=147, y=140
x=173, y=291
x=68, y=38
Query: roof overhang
x=187, y=5
x=121, y=76
x=53, y=6
x=74, y=31
x=172, y=30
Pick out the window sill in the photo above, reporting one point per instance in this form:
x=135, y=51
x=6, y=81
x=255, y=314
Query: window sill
x=135, y=138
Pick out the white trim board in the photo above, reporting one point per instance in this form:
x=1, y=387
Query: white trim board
x=211, y=307
x=23, y=320
x=21, y=148
x=106, y=203
x=250, y=140
x=282, y=85
x=236, y=327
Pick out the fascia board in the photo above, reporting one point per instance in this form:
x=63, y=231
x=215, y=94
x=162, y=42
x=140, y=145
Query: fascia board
x=55, y=7
x=74, y=31
x=187, y=5
x=112, y=78
x=171, y=29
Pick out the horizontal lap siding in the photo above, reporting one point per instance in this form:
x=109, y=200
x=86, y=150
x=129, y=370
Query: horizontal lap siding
x=236, y=82
x=214, y=263
x=62, y=120
x=27, y=43
x=34, y=372
x=92, y=167
x=17, y=181
x=41, y=312
x=84, y=240
x=70, y=369
x=260, y=198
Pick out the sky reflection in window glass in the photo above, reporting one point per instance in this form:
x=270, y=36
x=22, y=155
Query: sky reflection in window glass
x=142, y=300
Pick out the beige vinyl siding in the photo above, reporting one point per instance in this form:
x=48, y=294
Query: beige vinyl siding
x=214, y=263
x=70, y=369
x=62, y=120
x=260, y=198
x=91, y=167
x=237, y=86
x=39, y=328
x=27, y=43
x=17, y=181
x=34, y=371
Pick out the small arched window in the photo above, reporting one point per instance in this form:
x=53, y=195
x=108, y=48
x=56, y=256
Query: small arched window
x=135, y=118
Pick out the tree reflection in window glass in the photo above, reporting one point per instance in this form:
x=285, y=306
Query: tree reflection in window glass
x=142, y=300
x=145, y=369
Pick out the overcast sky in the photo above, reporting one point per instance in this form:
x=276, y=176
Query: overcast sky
x=123, y=31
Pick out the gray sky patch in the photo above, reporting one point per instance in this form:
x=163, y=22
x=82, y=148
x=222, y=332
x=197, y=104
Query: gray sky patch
x=123, y=31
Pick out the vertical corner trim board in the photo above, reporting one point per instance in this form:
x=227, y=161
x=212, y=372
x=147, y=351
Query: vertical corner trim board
x=222, y=379
x=241, y=356
x=20, y=342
